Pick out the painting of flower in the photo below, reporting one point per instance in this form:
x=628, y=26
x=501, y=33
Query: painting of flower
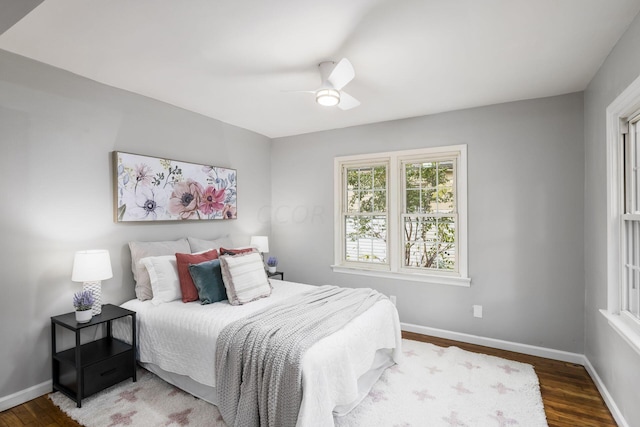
x=212, y=200
x=155, y=189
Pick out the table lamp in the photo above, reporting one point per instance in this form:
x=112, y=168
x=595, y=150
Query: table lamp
x=261, y=243
x=91, y=267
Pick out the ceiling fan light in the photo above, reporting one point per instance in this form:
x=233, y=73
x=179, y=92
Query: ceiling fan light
x=328, y=97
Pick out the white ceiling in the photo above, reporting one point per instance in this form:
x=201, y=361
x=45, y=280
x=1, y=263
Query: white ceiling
x=235, y=60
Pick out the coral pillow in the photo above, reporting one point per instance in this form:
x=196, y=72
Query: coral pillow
x=224, y=251
x=188, y=288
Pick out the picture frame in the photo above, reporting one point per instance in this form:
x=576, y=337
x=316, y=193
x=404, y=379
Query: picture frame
x=150, y=188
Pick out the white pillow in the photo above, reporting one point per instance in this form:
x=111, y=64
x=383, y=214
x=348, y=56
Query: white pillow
x=163, y=272
x=141, y=250
x=244, y=277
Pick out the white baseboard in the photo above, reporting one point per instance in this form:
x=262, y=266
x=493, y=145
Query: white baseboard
x=25, y=395
x=608, y=399
x=532, y=350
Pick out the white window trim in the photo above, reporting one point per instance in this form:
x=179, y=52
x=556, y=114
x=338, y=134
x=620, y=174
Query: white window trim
x=627, y=103
x=393, y=269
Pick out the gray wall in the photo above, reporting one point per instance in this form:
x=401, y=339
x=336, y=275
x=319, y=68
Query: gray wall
x=616, y=363
x=525, y=173
x=57, y=131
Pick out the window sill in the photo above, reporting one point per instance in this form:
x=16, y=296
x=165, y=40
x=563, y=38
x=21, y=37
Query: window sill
x=441, y=280
x=625, y=328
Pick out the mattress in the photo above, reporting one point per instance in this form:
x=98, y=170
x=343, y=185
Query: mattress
x=178, y=341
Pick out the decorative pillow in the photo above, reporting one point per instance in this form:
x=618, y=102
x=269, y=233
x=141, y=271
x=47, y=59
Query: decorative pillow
x=244, y=278
x=199, y=245
x=163, y=274
x=141, y=250
x=207, y=277
x=238, y=251
x=187, y=286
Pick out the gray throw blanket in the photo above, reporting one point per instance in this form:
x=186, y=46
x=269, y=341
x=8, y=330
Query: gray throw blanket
x=258, y=369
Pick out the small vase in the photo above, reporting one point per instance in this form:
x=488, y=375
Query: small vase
x=271, y=269
x=83, y=316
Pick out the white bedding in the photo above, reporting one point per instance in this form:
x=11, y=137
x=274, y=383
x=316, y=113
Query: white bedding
x=181, y=338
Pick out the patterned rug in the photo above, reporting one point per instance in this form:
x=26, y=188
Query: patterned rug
x=433, y=386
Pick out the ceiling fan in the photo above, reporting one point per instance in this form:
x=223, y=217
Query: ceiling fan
x=333, y=78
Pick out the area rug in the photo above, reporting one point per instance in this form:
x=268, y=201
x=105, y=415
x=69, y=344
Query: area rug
x=432, y=386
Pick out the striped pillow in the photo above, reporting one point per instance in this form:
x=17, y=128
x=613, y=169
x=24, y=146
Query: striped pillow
x=244, y=277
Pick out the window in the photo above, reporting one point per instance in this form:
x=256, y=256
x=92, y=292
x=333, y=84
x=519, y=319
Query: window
x=365, y=214
x=623, y=215
x=403, y=214
x=429, y=214
x=630, y=296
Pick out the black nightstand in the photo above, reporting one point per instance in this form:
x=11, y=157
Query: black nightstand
x=91, y=367
x=277, y=273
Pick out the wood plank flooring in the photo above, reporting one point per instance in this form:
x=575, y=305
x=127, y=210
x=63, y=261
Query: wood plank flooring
x=570, y=397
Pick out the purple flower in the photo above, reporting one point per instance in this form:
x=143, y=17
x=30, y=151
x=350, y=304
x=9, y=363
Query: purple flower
x=83, y=300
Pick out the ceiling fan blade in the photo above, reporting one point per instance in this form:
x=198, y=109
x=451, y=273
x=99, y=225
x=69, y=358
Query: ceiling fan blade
x=299, y=91
x=347, y=101
x=342, y=74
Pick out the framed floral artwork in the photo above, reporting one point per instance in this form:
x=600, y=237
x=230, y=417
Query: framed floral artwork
x=156, y=189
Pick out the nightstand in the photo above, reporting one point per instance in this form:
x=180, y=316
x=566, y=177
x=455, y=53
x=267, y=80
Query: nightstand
x=89, y=368
x=277, y=273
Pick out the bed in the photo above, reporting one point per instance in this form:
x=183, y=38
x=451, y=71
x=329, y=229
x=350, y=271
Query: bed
x=177, y=341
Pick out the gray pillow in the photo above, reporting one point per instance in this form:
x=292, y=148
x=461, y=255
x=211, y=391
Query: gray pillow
x=141, y=250
x=207, y=277
x=200, y=245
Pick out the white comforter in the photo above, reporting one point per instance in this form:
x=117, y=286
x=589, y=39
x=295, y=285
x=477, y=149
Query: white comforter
x=181, y=338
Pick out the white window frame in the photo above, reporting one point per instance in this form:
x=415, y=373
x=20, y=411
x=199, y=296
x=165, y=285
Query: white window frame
x=623, y=108
x=395, y=201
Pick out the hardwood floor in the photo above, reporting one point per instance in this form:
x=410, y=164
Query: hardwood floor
x=570, y=397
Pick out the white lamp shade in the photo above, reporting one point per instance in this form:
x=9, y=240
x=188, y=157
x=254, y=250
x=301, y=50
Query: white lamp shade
x=261, y=243
x=91, y=266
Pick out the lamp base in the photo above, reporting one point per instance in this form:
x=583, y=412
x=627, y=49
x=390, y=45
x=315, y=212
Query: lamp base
x=96, y=291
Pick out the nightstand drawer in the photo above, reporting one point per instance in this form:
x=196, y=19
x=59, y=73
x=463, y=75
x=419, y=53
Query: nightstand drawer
x=107, y=373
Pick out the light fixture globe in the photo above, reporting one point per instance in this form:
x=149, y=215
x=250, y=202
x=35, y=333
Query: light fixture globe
x=328, y=97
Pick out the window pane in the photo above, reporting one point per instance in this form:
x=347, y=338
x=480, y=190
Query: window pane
x=352, y=179
x=429, y=187
x=366, y=178
x=366, y=238
x=366, y=189
x=445, y=173
x=413, y=203
x=412, y=176
x=429, y=242
x=366, y=201
x=353, y=204
x=445, y=200
x=380, y=177
x=634, y=169
x=429, y=175
x=632, y=271
x=379, y=201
